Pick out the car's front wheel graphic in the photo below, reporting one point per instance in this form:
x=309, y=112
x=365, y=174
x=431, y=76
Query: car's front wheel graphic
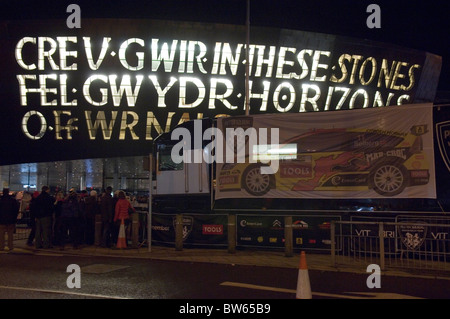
x=389, y=179
x=256, y=183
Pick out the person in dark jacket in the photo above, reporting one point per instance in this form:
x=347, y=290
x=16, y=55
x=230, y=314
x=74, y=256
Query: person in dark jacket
x=82, y=200
x=9, y=208
x=57, y=222
x=107, y=214
x=70, y=220
x=91, y=208
x=44, y=214
x=32, y=224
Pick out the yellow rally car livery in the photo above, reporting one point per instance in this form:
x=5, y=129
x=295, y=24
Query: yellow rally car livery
x=336, y=160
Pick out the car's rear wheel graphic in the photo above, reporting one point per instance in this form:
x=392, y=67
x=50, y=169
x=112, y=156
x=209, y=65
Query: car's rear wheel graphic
x=256, y=183
x=389, y=179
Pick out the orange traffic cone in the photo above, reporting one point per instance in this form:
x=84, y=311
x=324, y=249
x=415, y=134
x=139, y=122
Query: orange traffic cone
x=303, y=285
x=121, y=239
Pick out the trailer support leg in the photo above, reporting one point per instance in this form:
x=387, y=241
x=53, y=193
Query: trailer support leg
x=179, y=232
x=288, y=243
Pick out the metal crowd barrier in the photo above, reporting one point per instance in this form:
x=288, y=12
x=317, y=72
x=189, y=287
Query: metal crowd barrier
x=404, y=245
x=22, y=228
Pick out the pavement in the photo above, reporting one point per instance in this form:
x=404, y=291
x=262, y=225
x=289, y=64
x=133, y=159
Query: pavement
x=250, y=257
x=245, y=256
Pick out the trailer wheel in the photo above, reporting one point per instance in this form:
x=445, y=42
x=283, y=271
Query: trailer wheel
x=254, y=182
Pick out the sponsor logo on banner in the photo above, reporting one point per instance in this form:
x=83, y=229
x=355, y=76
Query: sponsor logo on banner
x=161, y=228
x=419, y=129
x=300, y=224
x=412, y=236
x=277, y=224
x=233, y=179
x=443, y=137
x=297, y=170
x=245, y=223
x=212, y=229
x=188, y=222
x=325, y=225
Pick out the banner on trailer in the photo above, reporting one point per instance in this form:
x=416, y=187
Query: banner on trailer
x=363, y=153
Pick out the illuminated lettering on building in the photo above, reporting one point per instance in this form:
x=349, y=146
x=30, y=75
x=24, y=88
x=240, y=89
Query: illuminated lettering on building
x=134, y=85
x=180, y=58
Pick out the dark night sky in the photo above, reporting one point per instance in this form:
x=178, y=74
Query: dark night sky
x=421, y=25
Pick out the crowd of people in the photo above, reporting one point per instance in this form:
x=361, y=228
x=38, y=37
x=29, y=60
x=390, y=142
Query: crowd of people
x=62, y=219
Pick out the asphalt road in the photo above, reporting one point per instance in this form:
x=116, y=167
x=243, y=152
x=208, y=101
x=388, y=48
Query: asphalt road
x=25, y=276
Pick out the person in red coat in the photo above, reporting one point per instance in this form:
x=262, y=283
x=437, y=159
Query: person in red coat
x=122, y=209
x=123, y=206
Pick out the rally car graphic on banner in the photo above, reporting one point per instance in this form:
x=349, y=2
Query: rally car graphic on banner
x=348, y=160
x=339, y=160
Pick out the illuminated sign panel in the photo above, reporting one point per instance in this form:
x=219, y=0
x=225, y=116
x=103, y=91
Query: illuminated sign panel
x=110, y=88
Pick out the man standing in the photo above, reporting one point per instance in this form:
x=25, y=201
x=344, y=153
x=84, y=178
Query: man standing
x=44, y=213
x=9, y=208
x=70, y=220
x=91, y=208
x=107, y=213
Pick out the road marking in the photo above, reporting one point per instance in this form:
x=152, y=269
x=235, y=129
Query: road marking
x=385, y=295
x=352, y=295
x=284, y=290
x=62, y=292
x=258, y=287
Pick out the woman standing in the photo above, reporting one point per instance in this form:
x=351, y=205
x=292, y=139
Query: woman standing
x=123, y=206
